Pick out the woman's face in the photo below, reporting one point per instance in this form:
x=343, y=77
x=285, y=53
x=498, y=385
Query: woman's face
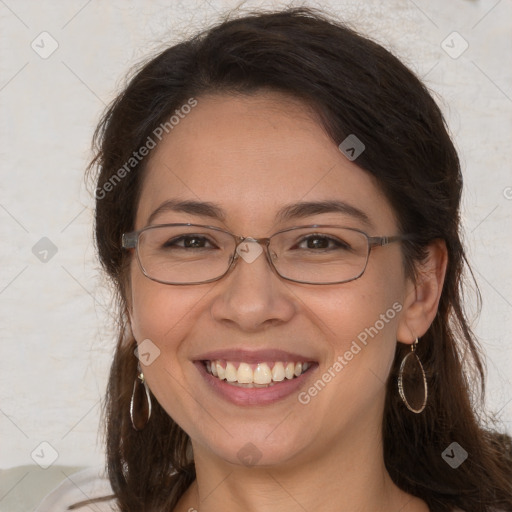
x=252, y=156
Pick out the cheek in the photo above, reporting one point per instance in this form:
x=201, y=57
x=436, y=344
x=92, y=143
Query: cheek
x=160, y=317
x=360, y=323
x=361, y=326
x=156, y=308
x=365, y=308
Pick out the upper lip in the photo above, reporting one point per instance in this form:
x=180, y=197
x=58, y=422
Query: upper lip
x=252, y=356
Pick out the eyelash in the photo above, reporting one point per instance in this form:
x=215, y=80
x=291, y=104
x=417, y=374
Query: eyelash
x=337, y=242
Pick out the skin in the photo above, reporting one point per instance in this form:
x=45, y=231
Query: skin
x=251, y=155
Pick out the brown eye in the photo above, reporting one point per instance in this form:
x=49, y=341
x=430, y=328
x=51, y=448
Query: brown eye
x=188, y=242
x=323, y=242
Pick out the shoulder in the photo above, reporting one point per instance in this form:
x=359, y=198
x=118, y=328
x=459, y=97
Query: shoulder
x=79, y=488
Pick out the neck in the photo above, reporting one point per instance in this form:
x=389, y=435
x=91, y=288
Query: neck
x=342, y=477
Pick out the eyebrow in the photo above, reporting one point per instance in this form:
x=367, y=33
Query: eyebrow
x=309, y=208
x=198, y=208
x=289, y=212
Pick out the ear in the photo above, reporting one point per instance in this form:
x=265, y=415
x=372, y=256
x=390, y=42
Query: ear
x=126, y=286
x=129, y=312
x=422, y=295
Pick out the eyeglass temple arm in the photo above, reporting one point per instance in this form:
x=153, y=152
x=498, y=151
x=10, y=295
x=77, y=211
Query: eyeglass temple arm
x=385, y=240
x=129, y=240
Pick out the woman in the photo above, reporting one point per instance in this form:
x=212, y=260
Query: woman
x=278, y=208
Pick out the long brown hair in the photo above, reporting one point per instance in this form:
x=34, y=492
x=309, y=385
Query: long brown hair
x=357, y=87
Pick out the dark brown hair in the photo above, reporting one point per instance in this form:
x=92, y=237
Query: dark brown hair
x=356, y=87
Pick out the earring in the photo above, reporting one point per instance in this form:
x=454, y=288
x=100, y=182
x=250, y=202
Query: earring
x=412, y=374
x=140, y=401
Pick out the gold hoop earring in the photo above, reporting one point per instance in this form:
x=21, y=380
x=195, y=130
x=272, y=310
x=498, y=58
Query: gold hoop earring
x=140, y=401
x=412, y=374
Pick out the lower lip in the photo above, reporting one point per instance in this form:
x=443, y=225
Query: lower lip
x=254, y=396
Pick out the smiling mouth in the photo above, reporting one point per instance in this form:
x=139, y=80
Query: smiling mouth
x=258, y=375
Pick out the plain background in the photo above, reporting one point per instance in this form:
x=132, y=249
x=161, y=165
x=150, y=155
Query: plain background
x=56, y=325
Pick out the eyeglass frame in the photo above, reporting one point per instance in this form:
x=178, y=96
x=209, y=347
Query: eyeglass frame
x=130, y=240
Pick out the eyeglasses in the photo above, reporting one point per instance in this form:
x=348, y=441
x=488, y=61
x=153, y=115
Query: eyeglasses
x=183, y=254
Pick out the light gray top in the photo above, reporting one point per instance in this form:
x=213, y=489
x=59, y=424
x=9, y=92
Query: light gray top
x=86, y=484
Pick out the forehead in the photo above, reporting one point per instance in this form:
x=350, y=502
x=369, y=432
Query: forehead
x=251, y=155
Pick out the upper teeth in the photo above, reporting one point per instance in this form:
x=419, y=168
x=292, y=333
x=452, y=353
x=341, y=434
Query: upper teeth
x=262, y=373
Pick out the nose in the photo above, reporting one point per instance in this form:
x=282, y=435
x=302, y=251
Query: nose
x=252, y=296
x=249, y=249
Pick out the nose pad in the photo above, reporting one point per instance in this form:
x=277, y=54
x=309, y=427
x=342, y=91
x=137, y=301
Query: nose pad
x=249, y=250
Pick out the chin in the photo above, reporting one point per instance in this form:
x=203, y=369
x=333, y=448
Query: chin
x=257, y=451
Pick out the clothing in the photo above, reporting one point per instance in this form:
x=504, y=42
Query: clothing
x=78, y=487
